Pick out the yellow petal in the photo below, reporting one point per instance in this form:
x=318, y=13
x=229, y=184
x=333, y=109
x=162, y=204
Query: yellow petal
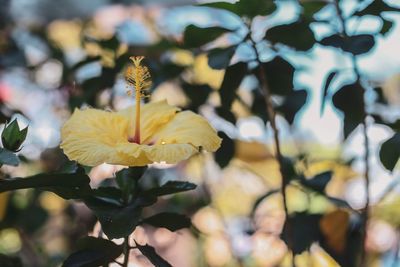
x=139, y=155
x=189, y=128
x=152, y=117
x=90, y=136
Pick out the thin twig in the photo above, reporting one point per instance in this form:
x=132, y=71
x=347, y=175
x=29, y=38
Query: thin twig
x=127, y=249
x=365, y=212
x=278, y=154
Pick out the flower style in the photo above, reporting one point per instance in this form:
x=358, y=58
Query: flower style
x=139, y=135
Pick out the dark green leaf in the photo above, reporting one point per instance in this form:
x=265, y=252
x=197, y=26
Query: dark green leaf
x=7, y=157
x=9, y=261
x=303, y=232
x=197, y=94
x=111, y=43
x=375, y=8
x=292, y=104
x=279, y=74
x=12, y=136
x=386, y=26
x=356, y=44
x=232, y=79
x=226, y=152
x=252, y=8
x=219, y=58
x=50, y=182
x=118, y=221
x=85, y=61
x=297, y=35
x=171, y=187
x=390, y=152
x=350, y=100
x=150, y=253
x=128, y=178
x=93, y=252
x=258, y=106
x=108, y=192
x=328, y=81
x=380, y=96
x=171, y=221
x=339, y=202
x=247, y=8
x=288, y=169
x=395, y=125
x=196, y=36
x=227, y=114
x=311, y=7
x=223, y=5
x=318, y=182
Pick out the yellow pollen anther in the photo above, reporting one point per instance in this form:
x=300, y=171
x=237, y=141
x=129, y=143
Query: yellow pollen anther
x=139, y=78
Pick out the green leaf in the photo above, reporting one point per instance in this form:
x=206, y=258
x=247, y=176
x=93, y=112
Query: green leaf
x=196, y=36
x=197, y=94
x=279, y=74
x=311, y=7
x=350, y=100
x=10, y=261
x=389, y=153
x=150, y=253
x=171, y=187
x=171, y=221
x=318, y=182
x=226, y=114
x=67, y=185
x=328, y=82
x=288, y=169
x=7, y=157
x=292, y=104
x=258, y=106
x=375, y=8
x=227, y=150
x=223, y=5
x=118, y=220
x=386, y=26
x=355, y=44
x=12, y=137
x=111, y=43
x=93, y=252
x=303, y=232
x=219, y=58
x=246, y=8
x=297, y=35
x=252, y=8
x=233, y=77
x=128, y=178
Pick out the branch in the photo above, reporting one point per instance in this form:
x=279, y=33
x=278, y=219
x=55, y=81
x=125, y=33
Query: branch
x=365, y=212
x=278, y=154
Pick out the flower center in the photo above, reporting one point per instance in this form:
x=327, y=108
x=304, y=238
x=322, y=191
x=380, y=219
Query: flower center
x=138, y=77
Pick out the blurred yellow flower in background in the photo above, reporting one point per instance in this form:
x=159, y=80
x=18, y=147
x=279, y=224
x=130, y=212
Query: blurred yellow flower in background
x=160, y=134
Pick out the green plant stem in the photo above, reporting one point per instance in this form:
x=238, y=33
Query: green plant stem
x=365, y=211
x=278, y=154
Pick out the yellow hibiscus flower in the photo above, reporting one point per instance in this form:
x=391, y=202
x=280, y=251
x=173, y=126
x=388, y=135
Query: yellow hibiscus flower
x=139, y=135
